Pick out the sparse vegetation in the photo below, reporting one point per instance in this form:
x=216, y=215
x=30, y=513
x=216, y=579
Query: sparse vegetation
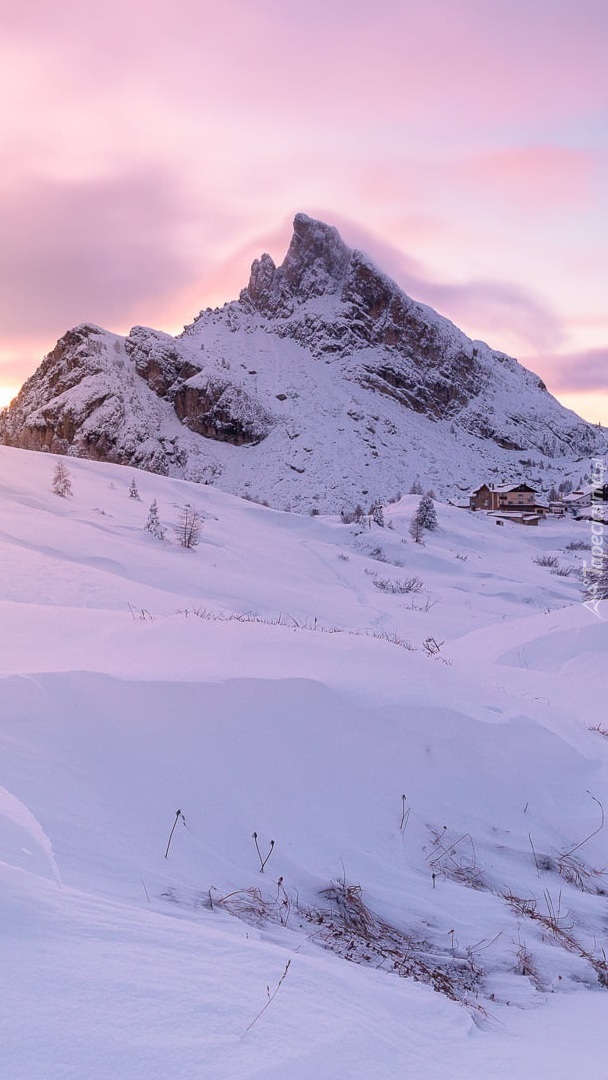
x=263, y=859
x=62, y=481
x=546, y=560
x=153, y=524
x=377, y=514
x=353, y=517
x=188, y=526
x=432, y=647
x=416, y=531
x=178, y=817
x=392, y=637
x=564, y=571
x=401, y=585
x=271, y=997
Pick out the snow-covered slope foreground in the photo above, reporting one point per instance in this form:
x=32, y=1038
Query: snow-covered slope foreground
x=323, y=386
x=425, y=785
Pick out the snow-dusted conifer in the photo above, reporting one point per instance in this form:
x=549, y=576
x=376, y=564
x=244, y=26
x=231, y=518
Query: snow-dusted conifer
x=426, y=515
x=133, y=492
x=153, y=524
x=377, y=514
x=416, y=530
x=62, y=481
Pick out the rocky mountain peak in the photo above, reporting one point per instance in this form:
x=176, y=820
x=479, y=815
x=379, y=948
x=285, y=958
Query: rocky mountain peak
x=316, y=264
x=324, y=384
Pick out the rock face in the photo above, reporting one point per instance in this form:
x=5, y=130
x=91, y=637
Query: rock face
x=323, y=384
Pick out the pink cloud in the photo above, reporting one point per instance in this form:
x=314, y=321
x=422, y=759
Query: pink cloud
x=414, y=64
x=576, y=372
x=145, y=149
x=96, y=250
x=540, y=177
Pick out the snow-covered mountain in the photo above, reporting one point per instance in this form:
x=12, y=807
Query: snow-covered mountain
x=418, y=728
x=323, y=385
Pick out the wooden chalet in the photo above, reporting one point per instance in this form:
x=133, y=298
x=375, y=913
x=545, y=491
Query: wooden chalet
x=506, y=498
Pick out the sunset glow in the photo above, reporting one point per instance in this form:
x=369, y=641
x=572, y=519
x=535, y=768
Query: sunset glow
x=7, y=393
x=150, y=153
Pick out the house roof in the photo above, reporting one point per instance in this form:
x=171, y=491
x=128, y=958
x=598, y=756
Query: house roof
x=504, y=488
x=582, y=493
x=513, y=487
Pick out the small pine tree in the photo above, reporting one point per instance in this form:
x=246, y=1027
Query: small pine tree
x=426, y=514
x=377, y=514
x=133, y=492
x=416, y=488
x=188, y=527
x=62, y=481
x=153, y=524
x=416, y=530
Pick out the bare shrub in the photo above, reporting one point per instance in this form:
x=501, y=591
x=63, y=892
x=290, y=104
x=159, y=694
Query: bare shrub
x=558, y=926
x=352, y=517
x=349, y=928
x=401, y=585
x=525, y=966
x=188, y=526
x=377, y=553
x=569, y=865
x=455, y=859
x=546, y=560
x=432, y=647
x=288, y=620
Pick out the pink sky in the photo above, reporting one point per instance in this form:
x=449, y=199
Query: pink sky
x=151, y=151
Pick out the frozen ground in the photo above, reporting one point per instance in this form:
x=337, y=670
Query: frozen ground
x=428, y=772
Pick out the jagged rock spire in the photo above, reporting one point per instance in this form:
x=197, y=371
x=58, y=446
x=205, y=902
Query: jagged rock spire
x=316, y=263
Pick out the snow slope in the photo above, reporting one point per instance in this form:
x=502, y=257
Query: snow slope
x=424, y=761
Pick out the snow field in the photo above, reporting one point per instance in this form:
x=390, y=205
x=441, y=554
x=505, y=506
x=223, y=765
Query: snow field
x=123, y=700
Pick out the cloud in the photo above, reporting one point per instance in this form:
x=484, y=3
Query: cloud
x=540, y=178
x=99, y=250
x=580, y=371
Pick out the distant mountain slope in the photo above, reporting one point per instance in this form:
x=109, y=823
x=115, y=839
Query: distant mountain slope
x=322, y=385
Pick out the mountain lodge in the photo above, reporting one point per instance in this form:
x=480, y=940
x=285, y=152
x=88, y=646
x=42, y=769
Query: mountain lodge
x=509, y=497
